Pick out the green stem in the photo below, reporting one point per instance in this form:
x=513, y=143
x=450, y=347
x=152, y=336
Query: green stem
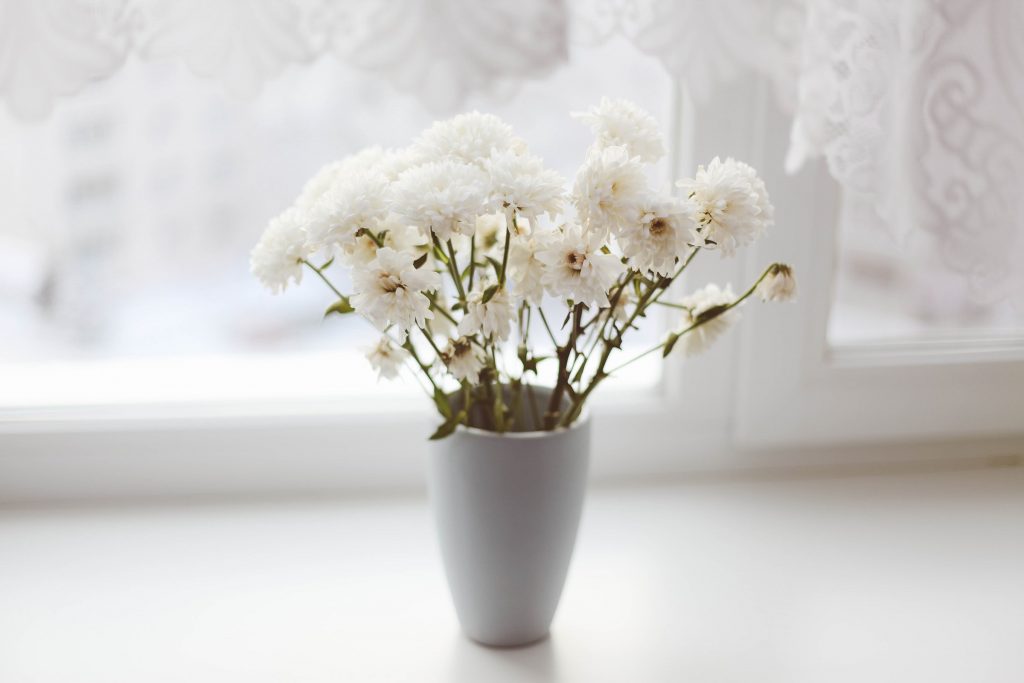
x=544, y=319
x=504, y=256
x=323, y=277
x=695, y=325
x=454, y=267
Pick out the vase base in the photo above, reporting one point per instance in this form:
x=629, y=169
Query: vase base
x=508, y=643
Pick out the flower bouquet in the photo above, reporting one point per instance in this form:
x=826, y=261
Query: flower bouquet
x=509, y=297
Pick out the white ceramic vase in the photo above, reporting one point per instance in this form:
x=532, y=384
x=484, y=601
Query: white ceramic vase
x=507, y=507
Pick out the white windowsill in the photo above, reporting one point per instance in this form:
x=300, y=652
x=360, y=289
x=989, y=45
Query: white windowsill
x=903, y=578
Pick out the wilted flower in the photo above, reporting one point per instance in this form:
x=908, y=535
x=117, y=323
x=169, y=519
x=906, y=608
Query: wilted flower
x=462, y=360
x=730, y=203
x=390, y=291
x=707, y=306
x=778, y=285
x=386, y=358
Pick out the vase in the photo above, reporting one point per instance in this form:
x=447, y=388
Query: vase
x=507, y=508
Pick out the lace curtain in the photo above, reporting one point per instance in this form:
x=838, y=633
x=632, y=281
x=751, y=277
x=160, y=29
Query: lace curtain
x=917, y=106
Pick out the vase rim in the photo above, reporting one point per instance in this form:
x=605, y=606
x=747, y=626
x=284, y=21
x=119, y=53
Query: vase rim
x=582, y=420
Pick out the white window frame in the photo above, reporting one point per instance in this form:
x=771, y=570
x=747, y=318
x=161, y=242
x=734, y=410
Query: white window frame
x=769, y=395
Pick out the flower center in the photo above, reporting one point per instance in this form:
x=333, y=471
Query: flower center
x=389, y=283
x=659, y=226
x=575, y=260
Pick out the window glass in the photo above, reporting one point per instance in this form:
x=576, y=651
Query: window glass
x=127, y=216
x=906, y=287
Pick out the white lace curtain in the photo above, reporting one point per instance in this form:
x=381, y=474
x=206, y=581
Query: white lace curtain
x=917, y=106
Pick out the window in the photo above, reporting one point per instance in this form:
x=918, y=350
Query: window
x=137, y=354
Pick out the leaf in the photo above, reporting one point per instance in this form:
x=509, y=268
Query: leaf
x=327, y=264
x=441, y=401
x=568, y=317
x=670, y=343
x=489, y=293
x=710, y=313
x=448, y=426
x=636, y=288
x=418, y=263
x=496, y=264
x=341, y=307
x=439, y=255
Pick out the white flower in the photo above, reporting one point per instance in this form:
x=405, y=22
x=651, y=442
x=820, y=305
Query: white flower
x=525, y=270
x=462, y=360
x=609, y=187
x=396, y=234
x=277, y=258
x=319, y=183
x=520, y=182
x=386, y=358
x=442, y=196
x=659, y=237
x=469, y=138
x=490, y=233
x=490, y=318
x=576, y=268
x=778, y=285
x=389, y=291
x=622, y=123
x=701, y=304
x=354, y=200
x=387, y=162
x=621, y=311
x=731, y=205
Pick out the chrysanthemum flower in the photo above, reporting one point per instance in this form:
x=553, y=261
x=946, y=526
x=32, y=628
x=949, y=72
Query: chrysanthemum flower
x=396, y=234
x=525, y=270
x=492, y=318
x=462, y=360
x=520, y=183
x=355, y=200
x=778, y=285
x=576, y=268
x=624, y=124
x=608, y=190
x=705, y=306
x=386, y=358
x=277, y=258
x=390, y=291
x=444, y=197
x=731, y=205
x=659, y=237
x=469, y=138
x=489, y=234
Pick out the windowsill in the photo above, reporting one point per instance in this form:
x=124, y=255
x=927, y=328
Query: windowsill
x=909, y=578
